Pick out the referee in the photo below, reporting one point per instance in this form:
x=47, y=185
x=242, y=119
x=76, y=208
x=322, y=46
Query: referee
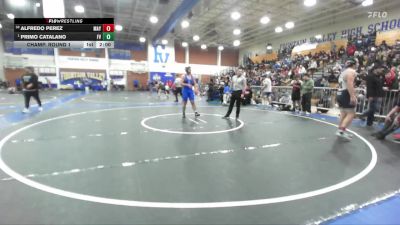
x=238, y=86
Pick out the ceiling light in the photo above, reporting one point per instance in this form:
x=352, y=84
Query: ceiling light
x=53, y=8
x=236, y=43
x=18, y=3
x=203, y=46
x=79, y=9
x=118, y=27
x=264, y=20
x=289, y=25
x=185, y=24
x=278, y=29
x=164, y=42
x=235, y=15
x=366, y=3
x=220, y=47
x=153, y=19
x=310, y=3
x=196, y=38
x=269, y=46
x=1, y=26
x=37, y=4
x=10, y=16
x=142, y=39
x=236, y=31
x=184, y=44
x=318, y=36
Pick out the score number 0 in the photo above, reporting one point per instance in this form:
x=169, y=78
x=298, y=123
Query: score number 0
x=108, y=27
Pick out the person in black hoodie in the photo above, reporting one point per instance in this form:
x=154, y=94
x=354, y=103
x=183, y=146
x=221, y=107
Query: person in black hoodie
x=30, y=84
x=375, y=81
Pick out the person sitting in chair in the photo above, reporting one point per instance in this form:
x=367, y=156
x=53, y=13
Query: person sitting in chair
x=392, y=123
x=287, y=102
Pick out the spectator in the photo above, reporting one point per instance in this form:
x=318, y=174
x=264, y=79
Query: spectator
x=392, y=123
x=324, y=82
x=351, y=49
x=375, y=92
x=221, y=92
x=333, y=48
x=302, y=70
x=342, y=53
x=18, y=84
x=296, y=86
x=391, y=79
x=332, y=78
x=210, y=91
x=248, y=95
x=366, y=42
x=285, y=99
x=383, y=46
x=306, y=94
x=266, y=91
x=313, y=67
x=227, y=93
x=359, y=43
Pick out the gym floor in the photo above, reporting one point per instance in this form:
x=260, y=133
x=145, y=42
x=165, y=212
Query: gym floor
x=130, y=158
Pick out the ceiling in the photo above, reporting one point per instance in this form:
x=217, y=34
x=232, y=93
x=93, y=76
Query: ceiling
x=210, y=18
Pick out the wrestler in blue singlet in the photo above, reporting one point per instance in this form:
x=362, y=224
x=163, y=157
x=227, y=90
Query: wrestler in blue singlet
x=187, y=92
x=188, y=83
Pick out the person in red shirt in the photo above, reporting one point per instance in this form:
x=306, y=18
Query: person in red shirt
x=351, y=49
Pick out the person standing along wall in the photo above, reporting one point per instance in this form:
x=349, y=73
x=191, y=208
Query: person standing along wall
x=30, y=84
x=296, y=95
x=266, y=91
x=306, y=94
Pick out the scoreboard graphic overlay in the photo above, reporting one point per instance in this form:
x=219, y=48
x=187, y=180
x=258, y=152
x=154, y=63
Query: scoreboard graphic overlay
x=64, y=33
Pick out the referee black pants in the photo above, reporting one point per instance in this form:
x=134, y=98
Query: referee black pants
x=28, y=95
x=178, y=91
x=236, y=97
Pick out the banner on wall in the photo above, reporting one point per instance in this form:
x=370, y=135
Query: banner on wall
x=128, y=65
x=82, y=62
x=378, y=26
x=82, y=77
x=161, y=58
x=118, y=76
x=162, y=76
